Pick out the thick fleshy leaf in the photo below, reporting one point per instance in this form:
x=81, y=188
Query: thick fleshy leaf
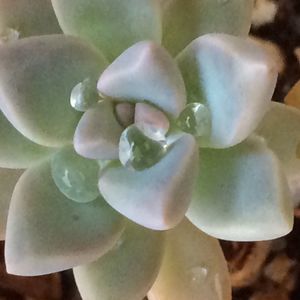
x=235, y=78
x=28, y=17
x=281, y=129
x=193, y=267
x=111, y=25
x=46, y=232
x=16, y=151
x=242, y=194
x=157, y=197
x=186, y=20
x=127, y=271
x=145, y=72
x=37, y=75
x=98, y=132
x=8, y=180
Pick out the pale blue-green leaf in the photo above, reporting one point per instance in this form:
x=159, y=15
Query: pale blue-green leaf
x=281, y=130
x=37, y=75
x=28, y=17
x=16, y=151
x=127, y=271
x=46, y=232
x=157, y=197
x=235, y=78
x=98, y=132
x=145, y=72
x=111, y=25
x=8, y=180
x=242, y=194
x=193, y=267
x=183, y=20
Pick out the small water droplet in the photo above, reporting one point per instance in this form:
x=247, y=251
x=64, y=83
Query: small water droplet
x=195, y=119
x=137, y=151
x=198, y=273
x=9, y=35
x=75, y=176
x=84, y=95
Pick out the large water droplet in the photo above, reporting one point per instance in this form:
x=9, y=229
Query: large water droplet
x=76, y=177
x=137, y=151
x=198, y=274
x=9, y=35
x=195, y=119
x=84, y=95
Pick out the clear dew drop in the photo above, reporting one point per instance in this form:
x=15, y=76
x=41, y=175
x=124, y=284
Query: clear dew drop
x=198, y=274
x=195, y=119
x=9, y=35
x=84, y=95
x=76, y=177
x=137, y=151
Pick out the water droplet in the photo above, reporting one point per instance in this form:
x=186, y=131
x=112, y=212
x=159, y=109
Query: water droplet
x=76, y=177
x=195, y=119
x=198, y=274
x=151, y=121
x=9, y=35
x=137, y=151
x=84, y=95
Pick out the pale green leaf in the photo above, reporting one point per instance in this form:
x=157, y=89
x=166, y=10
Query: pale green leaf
x=16, y=151
x=98, y=132
x=111, y=25
x=235, y=78
x=127, y=271
x=185, y=20
x=145, y=72
x=242, y=194
x=193, y=267
x=46, y=232
x=157, y=197
x=37, y=75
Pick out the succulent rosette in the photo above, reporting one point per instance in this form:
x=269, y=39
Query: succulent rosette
x=133, y=134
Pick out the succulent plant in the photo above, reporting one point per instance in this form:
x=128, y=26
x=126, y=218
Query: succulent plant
x=133, y=134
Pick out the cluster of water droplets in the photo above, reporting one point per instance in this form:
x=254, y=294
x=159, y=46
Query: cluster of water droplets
x=142, y=144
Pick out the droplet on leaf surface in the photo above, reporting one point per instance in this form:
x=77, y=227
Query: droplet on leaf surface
x=195, y=119
x=137, y=151
x=84, y=95
x=76, y=177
